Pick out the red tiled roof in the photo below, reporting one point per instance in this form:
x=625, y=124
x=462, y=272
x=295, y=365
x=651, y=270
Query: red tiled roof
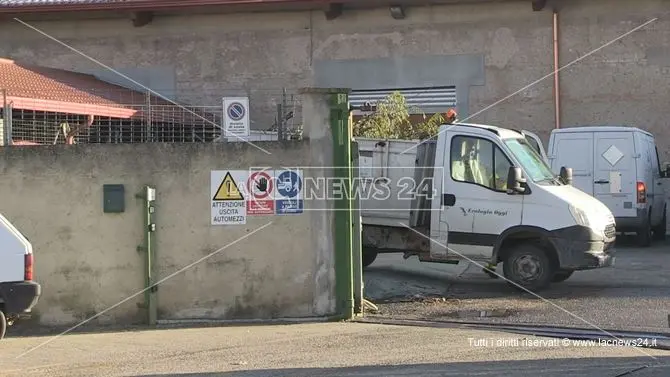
x=56, y=90
x=48, y=6
x=22, y=6
x=17, y=3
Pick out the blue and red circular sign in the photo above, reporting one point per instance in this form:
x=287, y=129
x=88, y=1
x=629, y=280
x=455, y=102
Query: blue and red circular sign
x=236, y=111
x=259, y=185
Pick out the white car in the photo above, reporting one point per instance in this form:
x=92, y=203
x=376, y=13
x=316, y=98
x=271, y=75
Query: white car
x=18, y=292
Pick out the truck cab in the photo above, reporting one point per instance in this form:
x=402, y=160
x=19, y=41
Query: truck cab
x=18, y=292
x=493, y=198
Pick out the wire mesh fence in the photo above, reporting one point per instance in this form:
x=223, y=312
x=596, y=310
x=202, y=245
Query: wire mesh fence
x=128, y=116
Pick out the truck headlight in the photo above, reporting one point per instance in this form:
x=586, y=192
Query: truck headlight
x=579, y=216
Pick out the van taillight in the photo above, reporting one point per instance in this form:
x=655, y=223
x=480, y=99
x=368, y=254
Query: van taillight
x=641, y=193
x=28, y=272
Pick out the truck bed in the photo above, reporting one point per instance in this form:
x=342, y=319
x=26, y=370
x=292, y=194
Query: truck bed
x=388, y=176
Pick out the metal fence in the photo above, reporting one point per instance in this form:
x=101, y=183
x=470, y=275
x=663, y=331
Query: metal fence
x=145, y=118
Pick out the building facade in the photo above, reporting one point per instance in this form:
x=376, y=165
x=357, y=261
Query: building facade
x=493, y=61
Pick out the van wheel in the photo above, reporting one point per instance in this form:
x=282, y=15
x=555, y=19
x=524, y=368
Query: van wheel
x=644, y=235
x=3, y=324
x=659, y=230
x=369, y=256
x=562, y=275
x=529, y=266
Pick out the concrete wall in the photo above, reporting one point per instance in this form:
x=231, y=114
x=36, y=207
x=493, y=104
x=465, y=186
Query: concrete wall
x=489, y=50
x=86, y=260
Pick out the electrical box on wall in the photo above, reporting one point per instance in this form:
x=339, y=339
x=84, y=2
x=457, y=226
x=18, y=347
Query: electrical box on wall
x=114, y=198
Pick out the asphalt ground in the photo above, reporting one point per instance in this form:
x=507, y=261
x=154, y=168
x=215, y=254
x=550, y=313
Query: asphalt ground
x=632, y=295
x=325, y=349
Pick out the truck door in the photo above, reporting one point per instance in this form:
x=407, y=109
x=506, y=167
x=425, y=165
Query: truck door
x=476, y=208
x=536, y=143
x=574, y=150
x=614, y=172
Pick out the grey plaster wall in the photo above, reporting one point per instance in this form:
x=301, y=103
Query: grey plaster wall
x=258, y=54
x=87, y=261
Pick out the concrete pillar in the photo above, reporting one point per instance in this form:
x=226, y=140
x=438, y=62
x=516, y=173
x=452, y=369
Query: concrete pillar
x=316, y=108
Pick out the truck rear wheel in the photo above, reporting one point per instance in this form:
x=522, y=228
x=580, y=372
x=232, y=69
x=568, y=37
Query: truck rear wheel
x=660, y=229
x=369, y=256
x=3, y=324
x=644, y=235
x=528, y=266
x=561, y=275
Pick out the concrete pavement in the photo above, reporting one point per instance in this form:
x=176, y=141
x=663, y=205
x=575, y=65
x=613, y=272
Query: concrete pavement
x=327, y=349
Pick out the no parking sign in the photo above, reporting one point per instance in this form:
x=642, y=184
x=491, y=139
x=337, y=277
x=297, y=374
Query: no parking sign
x=236, y=116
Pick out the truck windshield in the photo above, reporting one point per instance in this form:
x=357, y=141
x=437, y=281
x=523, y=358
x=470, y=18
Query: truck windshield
x=533, y=164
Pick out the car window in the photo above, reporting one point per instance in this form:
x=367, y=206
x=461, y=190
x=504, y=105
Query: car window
x=480, y=162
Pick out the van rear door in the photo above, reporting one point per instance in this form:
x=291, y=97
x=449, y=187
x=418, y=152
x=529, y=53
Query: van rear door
x=574, y=150
x=615, y=172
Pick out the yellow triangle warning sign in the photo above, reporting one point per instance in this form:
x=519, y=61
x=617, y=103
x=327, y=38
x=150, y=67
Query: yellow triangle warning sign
x=228, y=189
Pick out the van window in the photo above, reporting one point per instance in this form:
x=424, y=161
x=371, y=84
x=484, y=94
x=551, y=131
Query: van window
x=534, y=165
x=479, y=161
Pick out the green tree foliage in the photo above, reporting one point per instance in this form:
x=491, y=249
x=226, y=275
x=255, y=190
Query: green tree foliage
x=391, y=120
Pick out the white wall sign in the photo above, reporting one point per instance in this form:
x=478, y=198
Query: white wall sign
x=228, y=196
x=236, y=116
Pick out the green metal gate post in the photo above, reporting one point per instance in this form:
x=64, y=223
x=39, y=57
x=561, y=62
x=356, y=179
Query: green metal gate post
x=342, y=137
x=149, y=250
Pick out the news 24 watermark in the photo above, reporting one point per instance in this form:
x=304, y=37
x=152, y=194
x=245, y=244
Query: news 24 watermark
x=560, y=342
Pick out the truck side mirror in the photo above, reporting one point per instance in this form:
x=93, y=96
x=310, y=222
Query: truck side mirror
x=514, y=181
x=666, y=173
x=566, y=175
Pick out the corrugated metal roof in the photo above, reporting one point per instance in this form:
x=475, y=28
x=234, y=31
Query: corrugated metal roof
x=418, y=100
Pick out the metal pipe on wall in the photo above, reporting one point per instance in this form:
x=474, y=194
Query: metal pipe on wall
x=557, y=106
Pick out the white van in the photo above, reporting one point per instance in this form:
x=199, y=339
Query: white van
x=620, y=167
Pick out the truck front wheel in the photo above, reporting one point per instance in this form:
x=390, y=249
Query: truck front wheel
x=369, y=256
x=3, y=324
x=529, y=266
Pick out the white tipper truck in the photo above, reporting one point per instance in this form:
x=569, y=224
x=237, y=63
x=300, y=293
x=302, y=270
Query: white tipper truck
x=484, y=194
x=18, y=292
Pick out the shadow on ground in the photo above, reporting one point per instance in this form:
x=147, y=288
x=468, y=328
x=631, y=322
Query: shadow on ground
x=601, y=367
